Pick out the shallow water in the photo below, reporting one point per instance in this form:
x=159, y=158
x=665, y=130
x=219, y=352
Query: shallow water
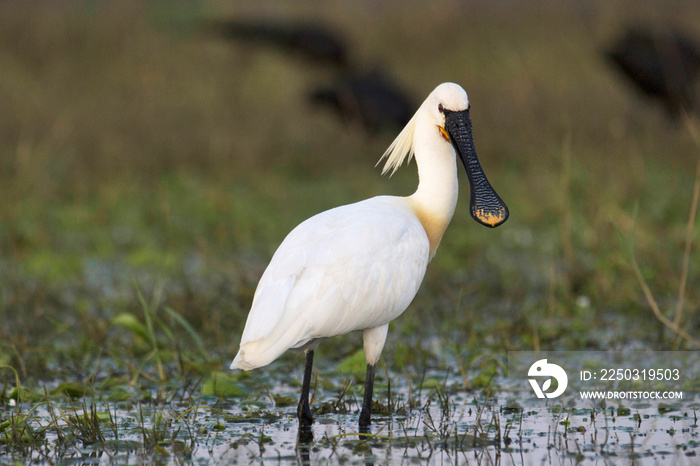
x=440, y=424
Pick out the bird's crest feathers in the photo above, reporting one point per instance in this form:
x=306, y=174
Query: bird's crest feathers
x=399, y=150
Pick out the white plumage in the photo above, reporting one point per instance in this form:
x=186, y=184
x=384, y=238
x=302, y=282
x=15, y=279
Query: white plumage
x=350, y=268
x=359, y=266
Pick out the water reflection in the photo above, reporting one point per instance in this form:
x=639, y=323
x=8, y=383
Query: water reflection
x=303, y=449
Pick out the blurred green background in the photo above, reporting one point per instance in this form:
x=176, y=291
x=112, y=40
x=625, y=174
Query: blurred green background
x=140, y=154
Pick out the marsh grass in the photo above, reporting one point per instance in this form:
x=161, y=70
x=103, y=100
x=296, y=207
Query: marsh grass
x=675, y=324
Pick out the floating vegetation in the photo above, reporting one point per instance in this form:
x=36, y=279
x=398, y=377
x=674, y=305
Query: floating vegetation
x=190, y=423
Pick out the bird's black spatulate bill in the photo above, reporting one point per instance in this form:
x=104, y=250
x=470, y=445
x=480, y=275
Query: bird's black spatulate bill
x=486, y=207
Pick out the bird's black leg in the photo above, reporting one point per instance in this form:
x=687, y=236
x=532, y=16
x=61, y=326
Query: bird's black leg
x=366, y=413
x=303, y=410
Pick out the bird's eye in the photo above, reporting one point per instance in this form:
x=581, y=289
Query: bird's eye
x=441, y=108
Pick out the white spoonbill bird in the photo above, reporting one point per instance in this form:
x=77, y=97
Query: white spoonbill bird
x=359, y=266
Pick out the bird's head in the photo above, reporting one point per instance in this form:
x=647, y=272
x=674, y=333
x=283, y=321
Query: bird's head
x=450, y=101
x=447, y=110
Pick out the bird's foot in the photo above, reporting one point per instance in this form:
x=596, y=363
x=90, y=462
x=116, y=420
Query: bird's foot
x=306, y=419
x=365, y=430
x=365, y=422
x=305, y=435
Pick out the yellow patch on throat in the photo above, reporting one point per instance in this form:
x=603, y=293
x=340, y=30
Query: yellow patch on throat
x=444, y=134
x=434, y=226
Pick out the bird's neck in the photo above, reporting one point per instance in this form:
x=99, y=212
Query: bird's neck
x=435, y=199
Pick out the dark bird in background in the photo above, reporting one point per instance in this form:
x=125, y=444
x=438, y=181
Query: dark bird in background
x=662, y=65
x=369, y=99
x=308, y=40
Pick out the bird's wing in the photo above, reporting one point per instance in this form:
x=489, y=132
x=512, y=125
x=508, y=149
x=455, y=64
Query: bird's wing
x=349, y=268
